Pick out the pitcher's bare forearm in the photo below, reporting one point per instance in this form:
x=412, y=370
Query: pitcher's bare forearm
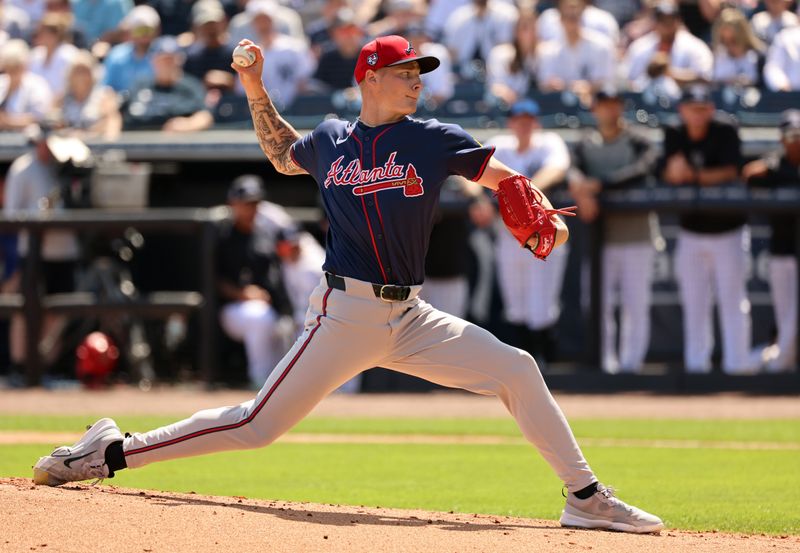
x=275, y=135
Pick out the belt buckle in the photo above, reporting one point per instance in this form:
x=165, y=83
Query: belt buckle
x=396, y=293
x=381, y=294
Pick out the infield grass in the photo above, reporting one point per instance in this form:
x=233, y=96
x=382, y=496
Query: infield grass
x=734, y=489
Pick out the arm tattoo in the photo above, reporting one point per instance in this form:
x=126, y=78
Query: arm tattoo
x=275, y=135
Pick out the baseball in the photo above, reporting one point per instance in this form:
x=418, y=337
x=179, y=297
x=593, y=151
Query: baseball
x=243, y=57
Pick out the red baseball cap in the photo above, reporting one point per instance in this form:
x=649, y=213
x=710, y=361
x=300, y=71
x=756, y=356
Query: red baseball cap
x=390, y=50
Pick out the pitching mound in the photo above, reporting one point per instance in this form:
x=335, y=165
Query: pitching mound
x=82, y=518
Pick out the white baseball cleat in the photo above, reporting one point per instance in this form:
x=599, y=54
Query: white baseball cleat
x=604, y=510
x=83, y=461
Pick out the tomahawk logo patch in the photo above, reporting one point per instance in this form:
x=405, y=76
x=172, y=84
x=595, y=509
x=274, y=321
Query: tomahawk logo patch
x=410, y=49
x=366, y=181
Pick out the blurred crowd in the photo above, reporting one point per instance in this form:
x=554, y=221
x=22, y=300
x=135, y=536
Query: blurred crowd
x=99, y=66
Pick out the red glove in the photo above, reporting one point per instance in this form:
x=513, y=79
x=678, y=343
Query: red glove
x=525, y=216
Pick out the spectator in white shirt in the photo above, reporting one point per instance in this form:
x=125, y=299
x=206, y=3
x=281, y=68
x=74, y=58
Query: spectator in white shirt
x=581, y=61
x=288, y=63
x=669, y=57
x=34, y=9
x=53, y=55
x=773, y=19
x=473, y=30
x=286, y=21
x=511, y=68
x=439, y=11
x=591, y=17
x=25, y=98
x=782, y=70
x=14, y=21
x=738, y=53
x=88, y=108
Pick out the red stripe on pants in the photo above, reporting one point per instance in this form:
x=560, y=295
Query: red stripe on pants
x=258, y=408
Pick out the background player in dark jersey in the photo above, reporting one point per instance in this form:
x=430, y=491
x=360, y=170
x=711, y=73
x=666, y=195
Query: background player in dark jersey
x=705, y=151
x=773, y=170
x=379, y=178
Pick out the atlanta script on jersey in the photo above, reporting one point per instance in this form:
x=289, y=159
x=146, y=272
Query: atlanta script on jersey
x=387, y=176
x=375, y=181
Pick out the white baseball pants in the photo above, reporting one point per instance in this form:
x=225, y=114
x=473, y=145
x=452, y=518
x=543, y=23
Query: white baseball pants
x=530, y=287
x=627, y=282
x=254, y=323
x=450, y=295
x=348, y=332
x=713, y=266
x=783, y=288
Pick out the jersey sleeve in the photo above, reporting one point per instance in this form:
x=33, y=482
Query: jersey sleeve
x=464, y=155
x=304, y=155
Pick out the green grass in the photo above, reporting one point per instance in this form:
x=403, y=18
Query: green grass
x=702, y=489
x=773, y=430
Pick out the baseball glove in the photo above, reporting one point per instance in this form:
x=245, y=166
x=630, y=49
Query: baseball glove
x=525, y=216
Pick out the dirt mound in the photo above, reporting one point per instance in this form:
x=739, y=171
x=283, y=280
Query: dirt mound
x=80, y=518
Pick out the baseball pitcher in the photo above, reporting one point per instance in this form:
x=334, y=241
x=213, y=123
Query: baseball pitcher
x=379, y=177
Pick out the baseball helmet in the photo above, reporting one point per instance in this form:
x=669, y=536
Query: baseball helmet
x=97, y=357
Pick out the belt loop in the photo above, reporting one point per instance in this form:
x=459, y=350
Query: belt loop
x=335, y=281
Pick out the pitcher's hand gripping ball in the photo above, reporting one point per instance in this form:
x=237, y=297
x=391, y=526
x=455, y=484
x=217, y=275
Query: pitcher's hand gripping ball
x=243, y=57
x=525, y=216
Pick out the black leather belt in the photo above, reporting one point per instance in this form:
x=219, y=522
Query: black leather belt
x=386, y=292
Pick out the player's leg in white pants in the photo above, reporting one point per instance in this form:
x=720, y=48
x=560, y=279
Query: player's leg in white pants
x=448, y=294
x=612, y=269
x=253, y=322
x=331, y=350
x=783, y=288
x=635, y=297
x=438, y=347
x=694, y=273
x=348, y=332
x=729, y=251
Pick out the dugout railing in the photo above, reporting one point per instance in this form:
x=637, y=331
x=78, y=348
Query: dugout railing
x=154, y=304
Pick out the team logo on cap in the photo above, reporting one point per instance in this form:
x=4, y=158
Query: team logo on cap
x=372, y=59
x=410, y=49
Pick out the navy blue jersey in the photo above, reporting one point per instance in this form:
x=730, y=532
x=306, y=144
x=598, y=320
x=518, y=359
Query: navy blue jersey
x=380, y=188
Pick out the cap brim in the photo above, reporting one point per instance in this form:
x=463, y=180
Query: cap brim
x=426, y=63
